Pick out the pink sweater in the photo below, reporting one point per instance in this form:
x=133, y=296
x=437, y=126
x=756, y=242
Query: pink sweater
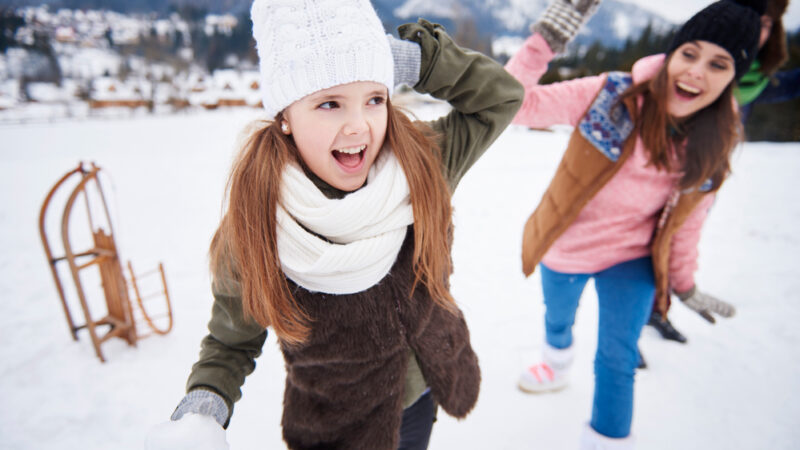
x=616, y=225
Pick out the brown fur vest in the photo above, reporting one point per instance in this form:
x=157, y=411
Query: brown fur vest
x=344, y=385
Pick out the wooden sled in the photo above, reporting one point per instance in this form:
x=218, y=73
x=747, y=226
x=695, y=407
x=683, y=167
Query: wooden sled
x=102, y=256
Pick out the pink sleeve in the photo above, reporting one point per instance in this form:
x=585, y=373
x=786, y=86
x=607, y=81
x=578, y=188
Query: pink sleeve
x=683, y=250
x=554, y=104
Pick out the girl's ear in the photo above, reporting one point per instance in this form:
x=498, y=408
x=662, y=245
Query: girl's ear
x=285, y=127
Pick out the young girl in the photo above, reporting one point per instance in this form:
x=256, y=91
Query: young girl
x=627, y=202
x=338, y=230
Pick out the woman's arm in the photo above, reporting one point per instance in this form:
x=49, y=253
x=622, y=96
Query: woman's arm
x=484, y=97
x=561, y=103
x=683, y=263
x=683, y=248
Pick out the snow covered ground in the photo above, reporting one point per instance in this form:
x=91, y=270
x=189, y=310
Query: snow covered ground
x=734, y=386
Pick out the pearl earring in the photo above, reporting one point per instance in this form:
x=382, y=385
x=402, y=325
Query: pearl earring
x=285, y=127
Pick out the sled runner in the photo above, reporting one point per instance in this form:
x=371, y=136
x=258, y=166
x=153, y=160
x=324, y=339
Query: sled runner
x=103, y=256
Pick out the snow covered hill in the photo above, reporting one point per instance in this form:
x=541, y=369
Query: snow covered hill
x=614, y=22
x=733, y=386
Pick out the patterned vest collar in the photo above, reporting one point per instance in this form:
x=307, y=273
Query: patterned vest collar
x=607, y=123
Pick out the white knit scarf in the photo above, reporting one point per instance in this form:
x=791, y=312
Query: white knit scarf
x=366, y=229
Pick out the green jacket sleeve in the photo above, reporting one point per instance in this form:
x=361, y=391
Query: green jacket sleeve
x=229, y=351
x=483, y=95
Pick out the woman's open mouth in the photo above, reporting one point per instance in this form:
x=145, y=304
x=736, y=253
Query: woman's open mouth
x=350, y=158
x=686, y=91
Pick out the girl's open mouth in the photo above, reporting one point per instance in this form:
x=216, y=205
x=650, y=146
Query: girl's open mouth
x=351, y=157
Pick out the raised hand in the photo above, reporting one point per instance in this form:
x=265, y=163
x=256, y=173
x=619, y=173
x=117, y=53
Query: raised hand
x=562, y=20
x=407, y=61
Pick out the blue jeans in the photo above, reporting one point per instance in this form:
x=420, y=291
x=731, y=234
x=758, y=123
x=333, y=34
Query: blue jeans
x=625, y=293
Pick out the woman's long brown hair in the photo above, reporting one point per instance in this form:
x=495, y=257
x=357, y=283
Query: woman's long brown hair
x=774, y=52
x=244, y=248
x=710, y=134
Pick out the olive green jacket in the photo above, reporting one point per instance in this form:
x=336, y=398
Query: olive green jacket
x=484, y=98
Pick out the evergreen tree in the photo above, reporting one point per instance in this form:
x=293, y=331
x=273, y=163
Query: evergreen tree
x=9, y=23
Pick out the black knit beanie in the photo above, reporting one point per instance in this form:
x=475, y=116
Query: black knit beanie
x=734, y=25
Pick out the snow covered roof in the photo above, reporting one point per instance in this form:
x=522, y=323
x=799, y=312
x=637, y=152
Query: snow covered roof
x=88, y=63
x=9, y=94
x=66, y=34
x=222, y=23
x=111, y=89
x=50, y=92
x=237, y=85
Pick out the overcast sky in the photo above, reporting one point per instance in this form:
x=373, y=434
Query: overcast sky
x=680, y=10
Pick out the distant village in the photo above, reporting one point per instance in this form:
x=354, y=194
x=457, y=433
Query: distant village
x=73, y=63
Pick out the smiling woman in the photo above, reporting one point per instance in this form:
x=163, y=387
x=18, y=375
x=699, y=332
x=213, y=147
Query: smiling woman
x=649, y=151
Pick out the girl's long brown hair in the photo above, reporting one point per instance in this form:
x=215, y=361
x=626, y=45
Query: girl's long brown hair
x=244, y=248
x=710, y=134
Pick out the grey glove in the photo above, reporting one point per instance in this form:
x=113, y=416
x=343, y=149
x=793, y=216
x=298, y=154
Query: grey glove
x=561, y=21
x=205, y=402
x=407, y=57
x=704, y=304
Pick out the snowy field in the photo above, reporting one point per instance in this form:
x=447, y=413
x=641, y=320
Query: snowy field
x=734, y=386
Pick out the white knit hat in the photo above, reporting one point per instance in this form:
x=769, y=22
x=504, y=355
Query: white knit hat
x=308, y=45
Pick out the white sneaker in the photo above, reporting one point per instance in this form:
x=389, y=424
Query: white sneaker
x=592, y=440
x=551, y=374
